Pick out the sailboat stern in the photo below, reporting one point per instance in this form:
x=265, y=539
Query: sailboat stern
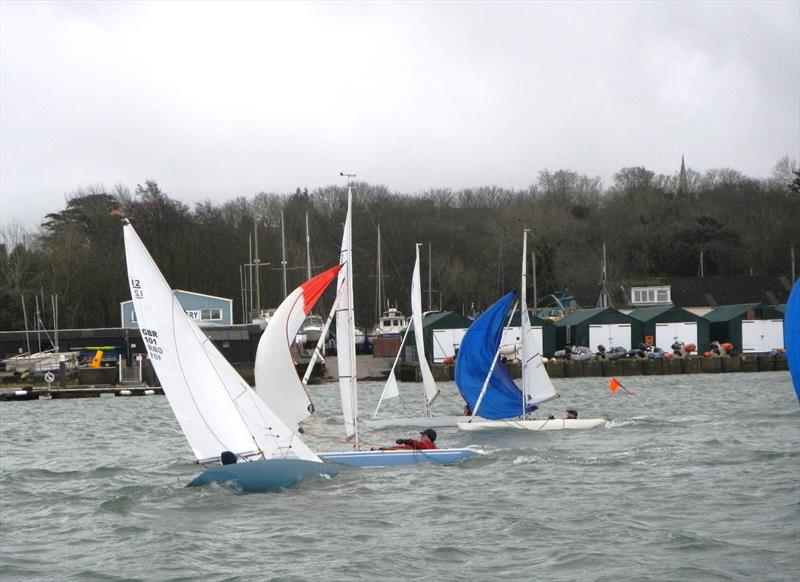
x=264, y=475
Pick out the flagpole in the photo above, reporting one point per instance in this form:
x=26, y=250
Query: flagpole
x=614, y=384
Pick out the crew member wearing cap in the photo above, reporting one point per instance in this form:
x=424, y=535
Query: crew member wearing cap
x=572, y=414
x=427, y=438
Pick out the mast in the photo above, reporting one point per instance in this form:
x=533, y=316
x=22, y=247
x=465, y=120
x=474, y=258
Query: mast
x=379, y=289
x=243, y=297
x=345, y=328
x=430, y=286
x=250, y=275
x=308, y=251
x=54, y=300
x=258, y=272
x=605, y=297
x=283, y=257
x=25, y=318
x=38, y=322
x=535, y=293
x=701, y=270
x=523, y=307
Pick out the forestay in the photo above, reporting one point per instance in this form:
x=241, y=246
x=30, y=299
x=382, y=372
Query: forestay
x=214, y=406
x=276, y=377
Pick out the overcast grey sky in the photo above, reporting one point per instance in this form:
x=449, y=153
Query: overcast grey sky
x=218, y=100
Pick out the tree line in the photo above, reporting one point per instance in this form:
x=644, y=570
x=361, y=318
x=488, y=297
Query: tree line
x=652, y=224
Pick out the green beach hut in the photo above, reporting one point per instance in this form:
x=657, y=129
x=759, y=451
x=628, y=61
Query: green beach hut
x=442, y=332
x=667, y=324
x=752, y=328
x=593, y=327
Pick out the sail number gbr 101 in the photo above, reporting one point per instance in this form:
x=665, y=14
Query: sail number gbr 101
x=150, y=337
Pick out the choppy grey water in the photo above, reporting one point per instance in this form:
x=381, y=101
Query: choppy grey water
x=694, y=478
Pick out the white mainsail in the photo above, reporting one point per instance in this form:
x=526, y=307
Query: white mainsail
x=431, y=390
x=536, y=384
x=345, y=330
x=214, y=406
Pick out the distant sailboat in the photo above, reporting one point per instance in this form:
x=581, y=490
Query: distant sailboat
x=486, y=384
x=216, y=409
x=430, y=389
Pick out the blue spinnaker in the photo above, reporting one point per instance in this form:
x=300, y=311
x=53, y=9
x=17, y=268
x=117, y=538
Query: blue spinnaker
x=791, y=335
x=503, y=399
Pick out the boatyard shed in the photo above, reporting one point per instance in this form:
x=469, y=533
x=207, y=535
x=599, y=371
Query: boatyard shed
x=442, y=332
x=593, y=327
x=752, y=328
x=668, y=324
x=543, y=331
x=206, y=310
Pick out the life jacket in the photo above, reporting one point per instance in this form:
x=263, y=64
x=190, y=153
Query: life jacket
x=417, y=445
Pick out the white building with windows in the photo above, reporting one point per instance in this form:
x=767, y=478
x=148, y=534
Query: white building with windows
x=206, y=310
x=651, y=296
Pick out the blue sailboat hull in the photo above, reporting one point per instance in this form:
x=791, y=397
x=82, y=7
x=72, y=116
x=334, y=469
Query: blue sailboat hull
x=399, y=458
x=264, y=475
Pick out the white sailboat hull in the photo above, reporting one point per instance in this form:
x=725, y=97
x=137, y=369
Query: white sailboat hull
x=421, y=422
x=534, y=425
x=398, y=458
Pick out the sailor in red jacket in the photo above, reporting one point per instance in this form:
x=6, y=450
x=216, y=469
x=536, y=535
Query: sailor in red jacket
x=427, y=438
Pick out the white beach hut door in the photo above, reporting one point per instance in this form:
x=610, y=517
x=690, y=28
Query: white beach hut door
x=669, y=333
x=760, y=336
x=610, y=335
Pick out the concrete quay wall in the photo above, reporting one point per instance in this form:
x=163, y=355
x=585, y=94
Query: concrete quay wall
x=625, y=367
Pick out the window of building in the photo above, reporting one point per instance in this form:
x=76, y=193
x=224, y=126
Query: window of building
x=205, y=314
x=211, y=314
x=650, y=295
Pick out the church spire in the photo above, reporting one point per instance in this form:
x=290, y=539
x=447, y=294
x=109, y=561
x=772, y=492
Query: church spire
x=683, y=184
